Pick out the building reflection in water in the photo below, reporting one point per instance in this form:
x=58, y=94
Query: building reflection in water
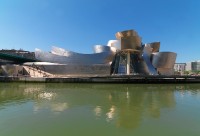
x=124, y=105
x=111, y=113
x=55, y=107
x=98, y=111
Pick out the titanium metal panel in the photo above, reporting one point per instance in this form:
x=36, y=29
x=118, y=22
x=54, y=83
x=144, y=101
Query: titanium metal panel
x=154, y=45
x=101, y=48
x=126, y=33
x=137, y=64
x=146, y=56
x=129, y=40
x=165, y=71
x=77, y=70
x=163, y=59
x=115, y=45
x=66, y=57
x=140, y=67
x=132, y=42
x=144, y=59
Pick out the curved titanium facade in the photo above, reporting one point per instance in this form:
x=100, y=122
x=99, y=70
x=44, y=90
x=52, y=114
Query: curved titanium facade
x=126, y=33
x=146, y=55
x=163, y=59
x=115, y=45
x=62, y=56
x=144, y=59
x=127, y=54
x=129, y=40
x=164, y=62
x=154, y=45
x=76, y=64
x=101, y=48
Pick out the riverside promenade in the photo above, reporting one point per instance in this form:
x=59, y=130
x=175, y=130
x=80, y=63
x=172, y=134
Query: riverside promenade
x=150, y=79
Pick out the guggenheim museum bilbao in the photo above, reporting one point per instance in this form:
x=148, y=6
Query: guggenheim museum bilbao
x=126, y=55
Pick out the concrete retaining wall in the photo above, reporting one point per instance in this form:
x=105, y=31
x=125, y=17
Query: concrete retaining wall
x=108, y=79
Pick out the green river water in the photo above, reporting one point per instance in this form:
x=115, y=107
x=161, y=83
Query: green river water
x=99, y=109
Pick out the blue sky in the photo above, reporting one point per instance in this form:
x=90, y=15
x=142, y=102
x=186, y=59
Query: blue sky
x=77, y=25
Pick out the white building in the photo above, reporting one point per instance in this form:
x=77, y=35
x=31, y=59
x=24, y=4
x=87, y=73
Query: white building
x=180, y=67
x=193, y=66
